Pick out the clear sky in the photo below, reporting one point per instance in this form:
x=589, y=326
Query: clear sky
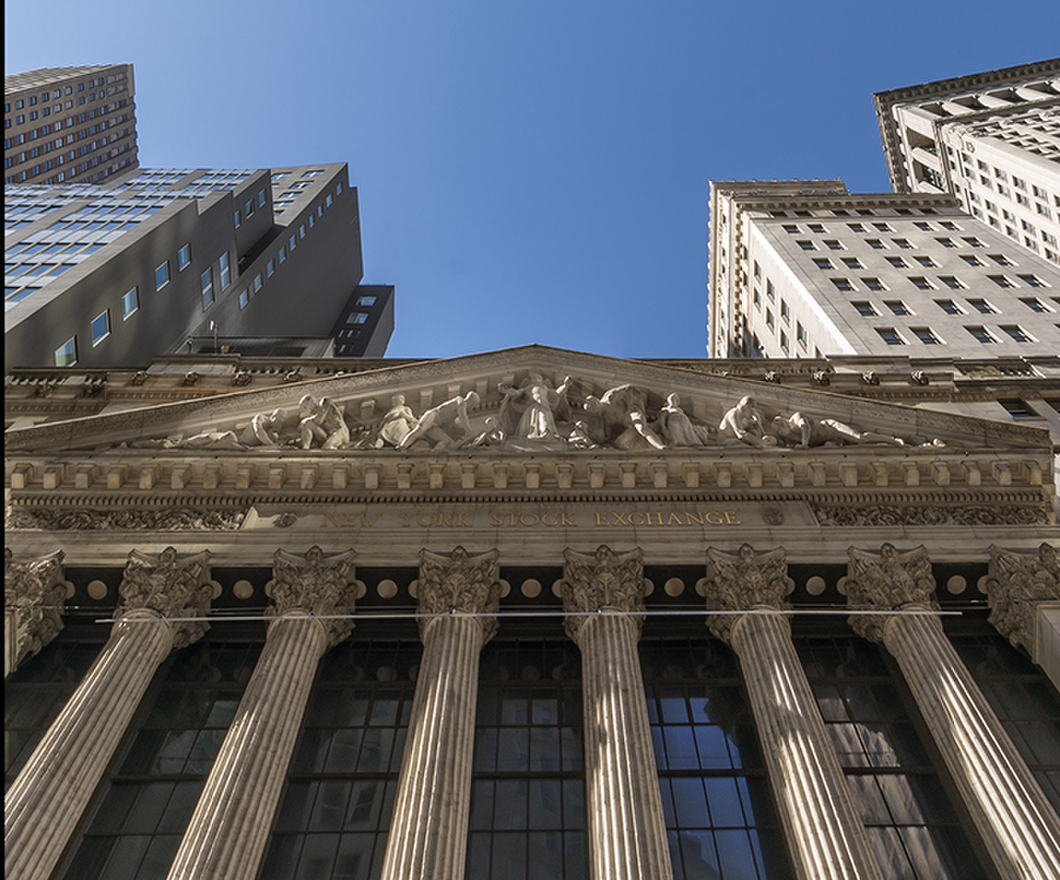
x=530, y=171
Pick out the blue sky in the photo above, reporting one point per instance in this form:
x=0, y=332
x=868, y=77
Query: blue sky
x=530, y=171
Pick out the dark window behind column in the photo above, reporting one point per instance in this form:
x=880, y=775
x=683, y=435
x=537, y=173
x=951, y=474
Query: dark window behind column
x=527, y=797
x=334, y=815
x=719, y=812
x=912, y=826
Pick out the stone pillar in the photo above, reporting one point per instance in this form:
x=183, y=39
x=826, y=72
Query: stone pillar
x=34, y=592
x=824, y=833
x=428, y=831
x=1024, y=591
x=1020, y=829
x=602, y=595
x=49, y=795
x=312, y=602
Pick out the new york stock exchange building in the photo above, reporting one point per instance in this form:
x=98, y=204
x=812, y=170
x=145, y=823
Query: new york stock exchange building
x=525, y=614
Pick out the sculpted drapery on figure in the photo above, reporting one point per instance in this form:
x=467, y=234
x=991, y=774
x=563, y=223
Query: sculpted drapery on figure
x=528, y=412
x=439, y=422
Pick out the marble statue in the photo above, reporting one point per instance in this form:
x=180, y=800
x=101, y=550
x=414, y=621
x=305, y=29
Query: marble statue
x=396, y=424
x=533, y=403
x=798, y=429
x=622, y=414
x=433, y=424
x=322, y=423
x=744, y=424
x=676, y=427
x=492, y=434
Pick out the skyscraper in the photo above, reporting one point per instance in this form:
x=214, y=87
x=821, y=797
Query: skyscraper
x=991, y=139
x=65, y=124
x=117, y=272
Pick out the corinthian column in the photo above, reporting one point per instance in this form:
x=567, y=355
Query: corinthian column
x=1019, y=827
x=1024, y=591
x=226, y=837
x=34, y=592
x=824, y=833
x=428, y=831
x=49, y=795
x=602, y=595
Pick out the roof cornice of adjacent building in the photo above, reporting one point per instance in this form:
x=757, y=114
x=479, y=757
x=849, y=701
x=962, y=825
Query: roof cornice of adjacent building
x=885, y=100
x=31, y=79
x=790, y=194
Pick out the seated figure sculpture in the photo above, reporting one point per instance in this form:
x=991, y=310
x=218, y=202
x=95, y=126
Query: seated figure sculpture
x=435, y=423
x=676, y=427
x=744, y=424
x=621, y=413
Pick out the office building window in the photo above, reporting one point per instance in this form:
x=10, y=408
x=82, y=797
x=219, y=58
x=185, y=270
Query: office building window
x=921, y=283
x=1032, y=281
x=865, y=309
x=897, y=307
x=925, y=335
x=951, y=282
x=783, y=340
x=244, y=298
x=366, y=301
x=982, y=335
x=257, y=282
x=926, y=262
x=1019, y=409
x=1035, y=304
x=226, y=274
x=236, y=218
x=898, y=262
x=356, y=317
x=1001, y=281
x=873, y=283
x=823, y=263
x=292, y=242
x=971, y=259
x=1017, y=333
x=248, y=208
x=66, y=354
x=206, y=280
x=842, y=284
x=890, y=336
x=130, y=302
x=184, y=258
x=833, y=245
x=162, y=275
x=100, y=327
x=785, y=313
x=270, y=268
x=852, y=263
x=282, y=254
x=981, y=305
x=875, y=244
x=902, y=243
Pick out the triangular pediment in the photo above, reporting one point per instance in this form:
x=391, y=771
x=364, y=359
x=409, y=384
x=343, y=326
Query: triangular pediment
x=528, y=399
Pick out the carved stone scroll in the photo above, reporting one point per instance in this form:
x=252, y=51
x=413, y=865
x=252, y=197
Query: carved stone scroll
x=744, y=580
x=887, y=581
x=459, y=583
x=170, y=586
x=315, y=584
x=34, y=592
x=602, y=580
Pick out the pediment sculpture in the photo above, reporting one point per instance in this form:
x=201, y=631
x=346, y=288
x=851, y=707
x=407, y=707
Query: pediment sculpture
x=529, y=416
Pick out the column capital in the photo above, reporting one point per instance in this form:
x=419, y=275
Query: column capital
x=34, y=590
x=744, y=580
x=170, y=586
x=601, y=580
x=1016, y=583
x=887, y=581
x=461, y=583
x=317, y=585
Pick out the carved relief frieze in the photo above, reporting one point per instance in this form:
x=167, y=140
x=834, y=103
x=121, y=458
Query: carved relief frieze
x=601, y=581
x=317, y=585
x=163, y=519
x=1016, y=584
x=929, y=515
x=887, y=581
x=172, y=586
x=460, y=583
x=34, y=590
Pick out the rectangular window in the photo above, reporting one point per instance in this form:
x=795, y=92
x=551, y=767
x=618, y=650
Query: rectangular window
x=257, y=282
x=949, y=306
x=1001, y=280
x=235, y=217
x=328, y=200
x=921, y=283
x=226, y=274
x=973, y=242
x=783, y=340
x=901, y=243
x=301, y=230
x=270, y=268
x=1017, y=333
x=261, y=198
x=927, y=262
x=206, y=280
x=162, y=275
x=890, y=336
x=769, y=317
x=770, y=290
x=852, y=263
x=800, y=334
x=791, y=228
x=856, y=227
x=982, y=334
x=873, y=283
x=925, y=335
x=842, y=284
x=1035, y=304
x=184, y=258
x=897, y=307
x=248, y=208
x=1001, y=259
x=875, y=244
x=757, y=270
x=366, y=301
x=946, y=242
x=971, y=259
x=785, y=312
x=982, y=306
x=833, y=245
x=312, y=221
x=807, y=245
x=1019, y=409
x=817, y=227
x=130, y=302
x=66, y=354
x=951, y=282
x=292, y=242
x=1032, y=281
x=898, y=262
x=865, y=309
x=244, y=298
x=100, y=327
x=823, y=263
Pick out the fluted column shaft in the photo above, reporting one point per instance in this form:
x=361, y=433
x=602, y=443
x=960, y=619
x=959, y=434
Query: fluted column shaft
x=1018, y=825
x=229, y=830
x=429, y=826
x=626, y=824
x=821, y=824
x=428, y=832
x=45, y=802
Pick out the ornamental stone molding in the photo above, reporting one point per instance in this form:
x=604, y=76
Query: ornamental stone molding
x=601, y=581
x=887, y=581
x=458, y=583
x=934, y=515
x=34, y=592
x=170, y=519
x=1017, y=582
x=317, y=585
x=743, y=581
x=171, y=586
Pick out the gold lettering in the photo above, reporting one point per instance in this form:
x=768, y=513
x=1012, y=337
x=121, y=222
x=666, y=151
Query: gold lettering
x=718, y=521
x=461, y=519
x=430, y=517
x=565, y=520
x=444, y=519
x=408, y=520
x=545, y=520
x=496, y=520
x=730, y=518
x=327, y=517
x=529, y=519
x=674, y=519
x=600, y=520
x=367, y=520
x=634, y=522
x=696, y=517
x=512, y=519
x=620, y=519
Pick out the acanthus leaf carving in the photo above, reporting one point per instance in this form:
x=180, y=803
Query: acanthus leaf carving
x=34, y=590
x=171, y=586
x=169, y=519
x=601, y=581
x=458, y=583
x=743, y=581
x=1017, y=582
x=316, y=585
x=887, y=581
